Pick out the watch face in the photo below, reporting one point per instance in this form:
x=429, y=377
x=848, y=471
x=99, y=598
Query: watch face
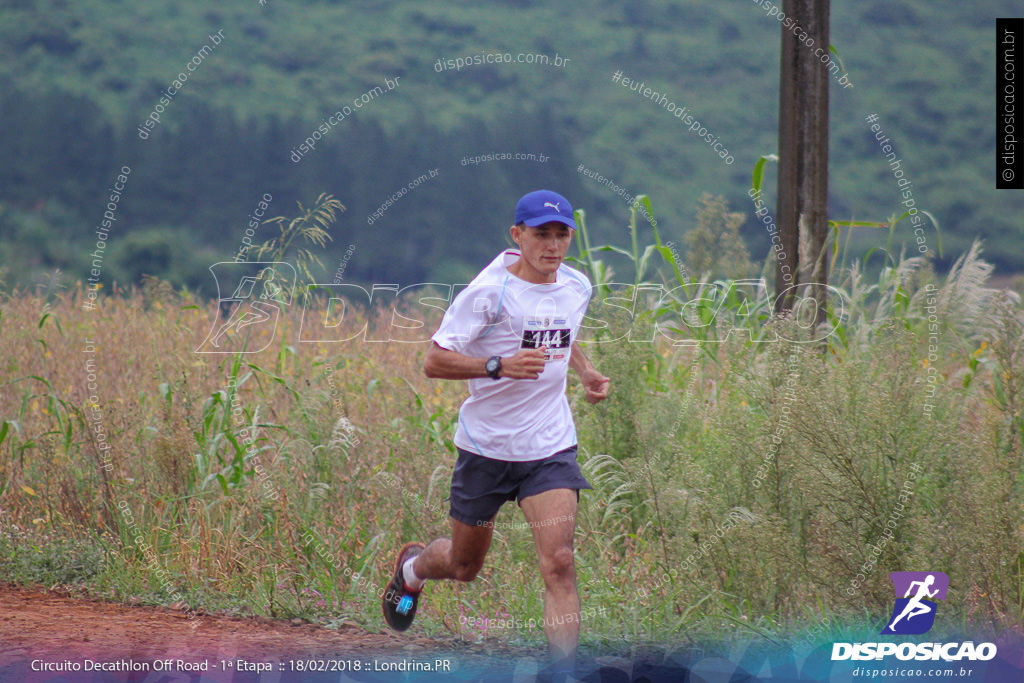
x=492, y=364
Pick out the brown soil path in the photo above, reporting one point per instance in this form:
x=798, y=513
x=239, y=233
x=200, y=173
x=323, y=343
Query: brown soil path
x=53, y=627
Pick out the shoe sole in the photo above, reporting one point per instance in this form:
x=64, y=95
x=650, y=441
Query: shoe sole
x=399, y=562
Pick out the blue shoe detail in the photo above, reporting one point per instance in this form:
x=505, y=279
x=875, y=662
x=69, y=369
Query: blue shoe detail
x=398, y=603
x=404, y=605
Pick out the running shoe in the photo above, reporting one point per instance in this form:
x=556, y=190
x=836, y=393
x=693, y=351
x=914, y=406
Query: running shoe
x=399, y=603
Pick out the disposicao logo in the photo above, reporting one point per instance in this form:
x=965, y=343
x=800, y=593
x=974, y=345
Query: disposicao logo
x=914, y=613
x=917, y=596
x=260, y=291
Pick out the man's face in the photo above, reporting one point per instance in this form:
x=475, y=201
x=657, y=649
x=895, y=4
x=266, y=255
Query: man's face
x=543, y=247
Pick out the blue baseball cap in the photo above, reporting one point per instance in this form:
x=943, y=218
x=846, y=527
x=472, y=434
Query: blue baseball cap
x=543, y=206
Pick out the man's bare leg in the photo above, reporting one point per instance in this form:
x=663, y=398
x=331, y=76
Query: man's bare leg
x=552, y=517
x=458, y=558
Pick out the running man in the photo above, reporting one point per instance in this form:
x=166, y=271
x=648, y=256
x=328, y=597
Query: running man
x=512, y=333
x=915, y=606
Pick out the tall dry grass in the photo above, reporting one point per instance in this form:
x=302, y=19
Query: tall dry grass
x=696, y=527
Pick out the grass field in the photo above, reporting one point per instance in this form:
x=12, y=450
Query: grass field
x=742, y=487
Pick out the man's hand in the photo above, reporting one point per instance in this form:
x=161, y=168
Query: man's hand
x=596, y=385
x=527, y=364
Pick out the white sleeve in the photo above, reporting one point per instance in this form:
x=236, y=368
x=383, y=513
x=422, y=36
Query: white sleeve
x=474, y=311
x=584, y=303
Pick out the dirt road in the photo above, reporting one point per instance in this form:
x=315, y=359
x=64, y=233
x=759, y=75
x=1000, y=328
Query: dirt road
x=48, y=636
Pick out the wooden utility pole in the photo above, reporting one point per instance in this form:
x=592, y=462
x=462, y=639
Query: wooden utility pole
x=803, y=154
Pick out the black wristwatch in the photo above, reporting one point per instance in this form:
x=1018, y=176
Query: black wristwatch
x=493, y=367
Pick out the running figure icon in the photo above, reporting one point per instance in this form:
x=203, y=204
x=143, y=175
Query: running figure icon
x=917, y=601
x=916, y=607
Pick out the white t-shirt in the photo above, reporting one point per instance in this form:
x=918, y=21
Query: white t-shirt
x=497, y=315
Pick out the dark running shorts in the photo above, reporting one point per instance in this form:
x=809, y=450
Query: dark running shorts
x=480, y=486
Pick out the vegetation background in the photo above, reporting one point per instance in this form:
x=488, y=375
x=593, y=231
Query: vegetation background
x=78, y=78
x=355, y=442
x=744, y=484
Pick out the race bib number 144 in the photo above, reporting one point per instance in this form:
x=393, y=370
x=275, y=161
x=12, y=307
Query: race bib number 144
x=551, y=333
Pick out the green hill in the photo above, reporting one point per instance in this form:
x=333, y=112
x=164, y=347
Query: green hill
x=79, y=79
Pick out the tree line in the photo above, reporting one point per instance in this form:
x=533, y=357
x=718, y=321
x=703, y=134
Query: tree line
x=414, y=210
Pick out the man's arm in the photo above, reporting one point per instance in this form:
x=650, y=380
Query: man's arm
x=595, y=384
x=442, y=363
